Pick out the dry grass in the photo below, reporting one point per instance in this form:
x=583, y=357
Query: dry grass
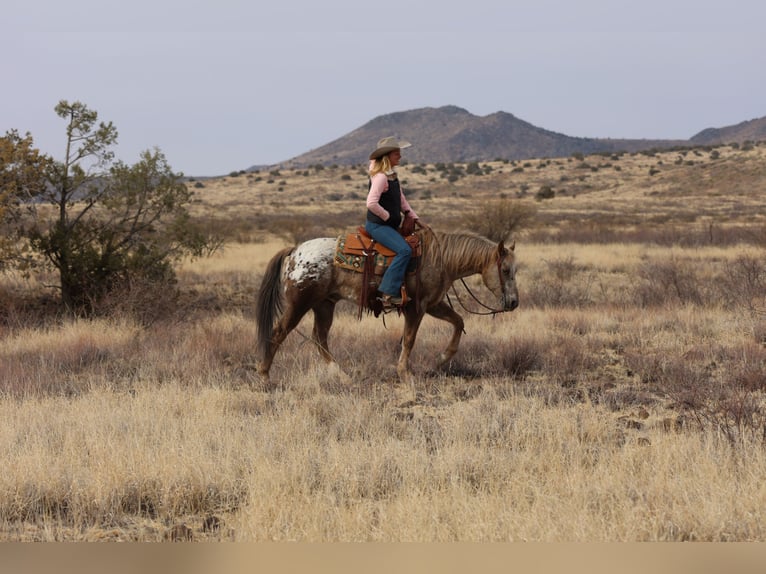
x=573, y=450
x=623, y=401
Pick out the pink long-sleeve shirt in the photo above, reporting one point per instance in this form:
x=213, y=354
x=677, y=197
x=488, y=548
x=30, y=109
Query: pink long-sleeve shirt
x=378, y=187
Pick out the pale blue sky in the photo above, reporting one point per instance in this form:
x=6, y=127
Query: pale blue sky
x=220, y=86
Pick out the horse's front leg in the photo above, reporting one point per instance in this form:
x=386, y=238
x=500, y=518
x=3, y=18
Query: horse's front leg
x=412, y=320
x=443, y=311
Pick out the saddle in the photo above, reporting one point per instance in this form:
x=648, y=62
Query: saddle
x=359, y=252
x=353, y=249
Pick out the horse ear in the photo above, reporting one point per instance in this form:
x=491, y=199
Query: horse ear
x=501, y=248
x=513, y=246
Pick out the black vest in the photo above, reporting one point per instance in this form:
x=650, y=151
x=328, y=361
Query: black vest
x=391, y=201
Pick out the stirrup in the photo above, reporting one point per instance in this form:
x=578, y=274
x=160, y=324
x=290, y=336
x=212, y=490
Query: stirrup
x=391, y=301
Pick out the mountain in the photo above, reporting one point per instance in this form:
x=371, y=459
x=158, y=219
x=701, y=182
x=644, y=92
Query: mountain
x=452, y=134
x=751, y=130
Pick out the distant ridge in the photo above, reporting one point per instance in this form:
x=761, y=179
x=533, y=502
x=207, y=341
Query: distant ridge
x=751, y=130
x=452, y=134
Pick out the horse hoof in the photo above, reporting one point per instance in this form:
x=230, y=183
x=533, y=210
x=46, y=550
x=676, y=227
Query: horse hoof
x=265, y=386
x=259, y=381
x=405, y=396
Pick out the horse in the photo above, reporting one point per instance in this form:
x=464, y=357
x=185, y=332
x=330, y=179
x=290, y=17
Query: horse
x=304, y=277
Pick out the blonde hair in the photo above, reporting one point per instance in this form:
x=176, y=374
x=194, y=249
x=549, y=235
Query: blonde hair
x=381, y=164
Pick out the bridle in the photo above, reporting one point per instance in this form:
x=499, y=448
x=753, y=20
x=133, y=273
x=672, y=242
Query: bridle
x=489, y=310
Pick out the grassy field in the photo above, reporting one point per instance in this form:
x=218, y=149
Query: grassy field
x=623, y=400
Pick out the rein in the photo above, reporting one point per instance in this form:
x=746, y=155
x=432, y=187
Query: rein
x=489, y=310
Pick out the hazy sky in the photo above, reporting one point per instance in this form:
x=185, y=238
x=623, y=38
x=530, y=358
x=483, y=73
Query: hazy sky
x=222, y=85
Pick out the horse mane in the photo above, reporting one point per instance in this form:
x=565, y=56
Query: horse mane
x=457, y=251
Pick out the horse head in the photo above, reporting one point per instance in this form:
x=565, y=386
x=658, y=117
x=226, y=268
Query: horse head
x=499, y=276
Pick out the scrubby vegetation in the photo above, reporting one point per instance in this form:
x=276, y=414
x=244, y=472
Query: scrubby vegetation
x=623, y=400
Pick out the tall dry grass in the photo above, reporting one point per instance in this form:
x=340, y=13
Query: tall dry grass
x=307, y=464
x=600, y=410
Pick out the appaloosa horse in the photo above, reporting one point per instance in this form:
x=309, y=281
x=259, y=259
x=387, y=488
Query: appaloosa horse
x=304, y=277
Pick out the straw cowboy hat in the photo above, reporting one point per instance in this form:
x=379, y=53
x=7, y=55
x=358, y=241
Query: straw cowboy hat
x=387, y=145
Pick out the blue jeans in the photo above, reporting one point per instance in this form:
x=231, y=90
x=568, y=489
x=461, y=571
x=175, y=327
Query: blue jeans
x=390, y=237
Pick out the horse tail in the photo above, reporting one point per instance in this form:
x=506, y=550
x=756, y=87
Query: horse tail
x=269, y=304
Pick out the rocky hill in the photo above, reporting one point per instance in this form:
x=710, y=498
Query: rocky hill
x=751, y=130
x=452, y=134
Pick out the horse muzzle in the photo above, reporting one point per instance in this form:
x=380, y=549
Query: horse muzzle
x=509, y=303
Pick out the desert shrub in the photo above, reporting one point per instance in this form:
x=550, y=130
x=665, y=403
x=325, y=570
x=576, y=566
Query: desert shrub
x=480, y=356
x=566, y=359
x=476, y=357
x=744, y=283
x=499, y=220
x=749, y=373
x=545, y=192
x=473, y=169
x=522, y=356
x=140, y=298
x=667, y=281
x=716, y=389
x=561, y=282
x=759, y=330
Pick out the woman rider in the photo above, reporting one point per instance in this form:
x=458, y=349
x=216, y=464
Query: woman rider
x=385, y=206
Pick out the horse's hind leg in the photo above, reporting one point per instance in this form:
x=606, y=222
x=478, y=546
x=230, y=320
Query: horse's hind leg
x=443, y=311
x=287, y=323
x=324, y=313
